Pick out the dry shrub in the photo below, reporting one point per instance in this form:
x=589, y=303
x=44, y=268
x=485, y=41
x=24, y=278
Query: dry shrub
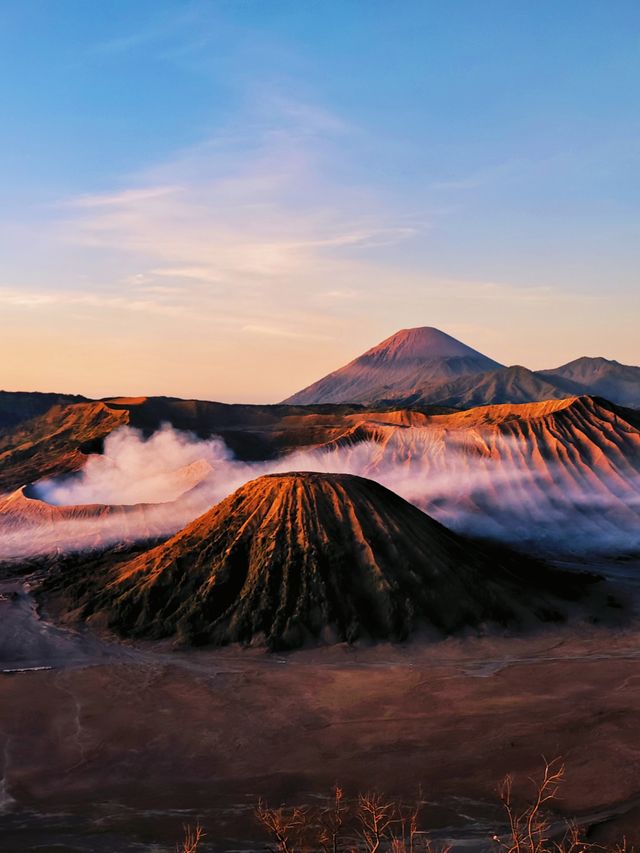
x=287, y=827
x=530, y=828
x=375, y=824
x=371, y=824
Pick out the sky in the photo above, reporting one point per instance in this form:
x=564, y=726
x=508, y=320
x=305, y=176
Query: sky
x=227, y=199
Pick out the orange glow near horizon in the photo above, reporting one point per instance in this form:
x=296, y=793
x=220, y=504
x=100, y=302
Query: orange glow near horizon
x=109, y=352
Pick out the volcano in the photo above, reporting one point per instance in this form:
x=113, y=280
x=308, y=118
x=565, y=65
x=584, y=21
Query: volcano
x=426, y=367
x=303, y=556
x=407, y=363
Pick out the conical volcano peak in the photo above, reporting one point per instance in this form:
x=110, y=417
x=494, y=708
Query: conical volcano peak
x=397, y=368
x=422, y=343
x=289, y=558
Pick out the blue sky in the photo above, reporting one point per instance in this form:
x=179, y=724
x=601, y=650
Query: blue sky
x=229, y=199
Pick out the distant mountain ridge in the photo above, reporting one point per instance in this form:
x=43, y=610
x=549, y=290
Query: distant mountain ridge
x=600, y=376
x=44, y=435
x=424, y=366
x=514, y=384
x=57, y=442
x=19, y=406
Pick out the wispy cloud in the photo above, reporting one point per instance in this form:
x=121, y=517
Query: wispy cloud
x=121, y=199
x=252, y=229
x=249, y=224
x=492, y=291
x=168, y=32
x=213, y=227
x=275, y=332
x=35, y=299
x=255, y=233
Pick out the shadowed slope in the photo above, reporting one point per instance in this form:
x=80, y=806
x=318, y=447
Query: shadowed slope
x=514, y=384
x=293, y=556
x=19, y=406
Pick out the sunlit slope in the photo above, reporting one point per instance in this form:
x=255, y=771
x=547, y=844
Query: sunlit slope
x=55, y=443
x=58, y=442
x=563, y=472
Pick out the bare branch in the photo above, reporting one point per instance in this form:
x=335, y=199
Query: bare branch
x=193, y=835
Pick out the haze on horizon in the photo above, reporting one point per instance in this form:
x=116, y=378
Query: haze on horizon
x=228, y=200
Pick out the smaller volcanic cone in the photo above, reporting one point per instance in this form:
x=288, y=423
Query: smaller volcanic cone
x=300, y=556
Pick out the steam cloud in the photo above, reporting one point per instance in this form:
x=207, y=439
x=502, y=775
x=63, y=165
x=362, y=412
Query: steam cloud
x=134, y=470
x=154, y=486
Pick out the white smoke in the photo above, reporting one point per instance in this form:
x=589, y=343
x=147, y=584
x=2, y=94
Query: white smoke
x=133, y=469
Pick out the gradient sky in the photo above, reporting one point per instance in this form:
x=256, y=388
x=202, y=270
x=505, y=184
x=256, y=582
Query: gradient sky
x=229, y=199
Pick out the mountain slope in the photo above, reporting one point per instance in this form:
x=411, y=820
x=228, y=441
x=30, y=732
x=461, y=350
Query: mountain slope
x=600, y=376
x=19, y=406
x=304, y=555
x=562, y=475
x=58, y=442
x=55, y=443
x=410, y=359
